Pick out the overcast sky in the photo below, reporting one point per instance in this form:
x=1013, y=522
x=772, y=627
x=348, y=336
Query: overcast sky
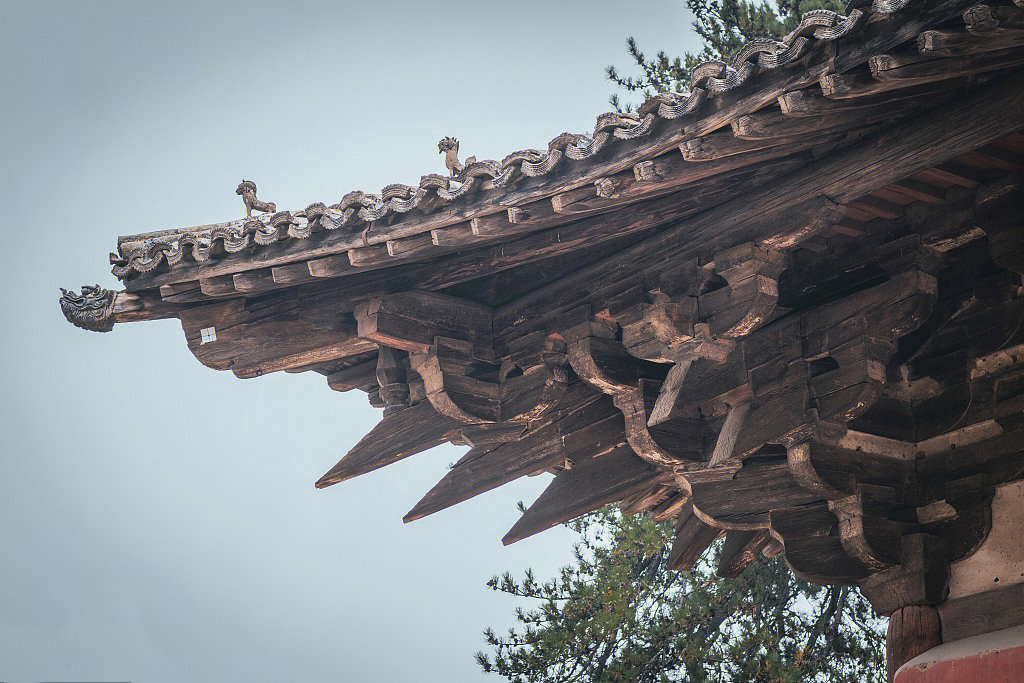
x=158, y=519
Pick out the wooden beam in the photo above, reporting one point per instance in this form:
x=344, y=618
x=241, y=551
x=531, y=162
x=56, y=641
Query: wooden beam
x=282, y=333
x=221, y=285
x=692, y=538
x=777, y=123
x=354, y=377
x=739, y=550
x=958, y=43
x=397, y=436
x=411, y=320
x=812, y=102
x=914, y=68
x=488, y=467
x=584, y=488
x=919, y=190
x=669, y=394
x=587, y=422
x=730, y=432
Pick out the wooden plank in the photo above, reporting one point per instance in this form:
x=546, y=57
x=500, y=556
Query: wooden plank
x=584, y=488
x=396, y=436
x=982, y=613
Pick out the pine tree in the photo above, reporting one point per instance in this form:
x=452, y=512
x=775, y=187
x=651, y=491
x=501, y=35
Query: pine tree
x=619, y=614
x=724, y=26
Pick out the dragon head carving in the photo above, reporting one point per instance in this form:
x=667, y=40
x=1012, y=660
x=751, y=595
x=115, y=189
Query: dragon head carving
x=93, y=309
x=447, y=144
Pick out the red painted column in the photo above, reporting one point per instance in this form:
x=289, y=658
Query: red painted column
x=996, y=657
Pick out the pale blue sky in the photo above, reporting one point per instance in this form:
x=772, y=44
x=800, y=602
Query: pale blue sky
x=158, y=519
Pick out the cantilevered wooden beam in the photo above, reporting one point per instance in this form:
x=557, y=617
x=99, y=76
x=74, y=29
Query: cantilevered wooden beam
x=739, y=550
x=584, y=488
x=397, y=436
x=692, y=538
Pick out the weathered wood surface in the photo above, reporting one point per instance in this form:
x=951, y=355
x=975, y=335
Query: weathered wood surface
x=280, y=333
x=406, y=237
x=986, y=612
x=912, y=630
x=908, y=148
x=396, y=436
x=692, y=538
x=587, y=486
x=805, y=341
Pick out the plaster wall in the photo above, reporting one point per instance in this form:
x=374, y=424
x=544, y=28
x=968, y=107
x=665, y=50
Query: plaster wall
x=999, y=561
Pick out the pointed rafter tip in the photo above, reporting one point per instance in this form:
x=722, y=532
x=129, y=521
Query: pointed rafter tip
x=395, y=437
x=481, y=469
x=584, y=488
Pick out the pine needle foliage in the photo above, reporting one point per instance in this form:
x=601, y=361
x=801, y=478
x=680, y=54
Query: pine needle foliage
x=723, y=26
x=617, y=614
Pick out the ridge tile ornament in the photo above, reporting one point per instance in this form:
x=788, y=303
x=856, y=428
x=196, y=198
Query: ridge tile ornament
x=783, y=307
x=450, y=148
x=247, y=189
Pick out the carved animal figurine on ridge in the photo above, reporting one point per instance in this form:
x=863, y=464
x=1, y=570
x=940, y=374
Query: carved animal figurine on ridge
x=247, y=189
x=450, y=148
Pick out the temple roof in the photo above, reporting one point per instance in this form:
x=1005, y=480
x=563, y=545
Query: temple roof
x=785, y=305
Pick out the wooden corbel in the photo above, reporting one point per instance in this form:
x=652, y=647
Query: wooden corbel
x=813, y=550
x=450, y=388
x=865, y=528
x=600, y=360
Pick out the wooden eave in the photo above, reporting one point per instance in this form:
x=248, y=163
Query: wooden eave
x=784, y=307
